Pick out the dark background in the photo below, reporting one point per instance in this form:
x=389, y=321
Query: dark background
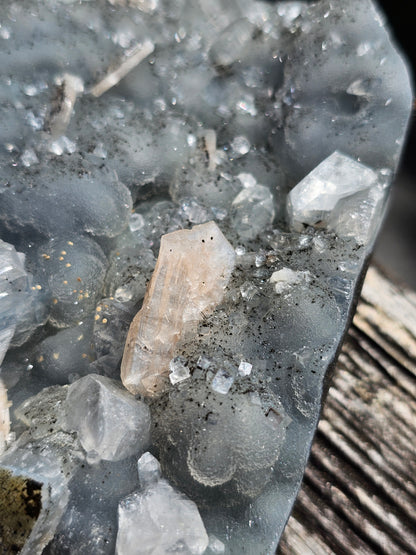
x=396, y=247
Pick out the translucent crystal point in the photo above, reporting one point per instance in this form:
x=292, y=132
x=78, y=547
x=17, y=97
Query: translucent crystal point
x=340, y=194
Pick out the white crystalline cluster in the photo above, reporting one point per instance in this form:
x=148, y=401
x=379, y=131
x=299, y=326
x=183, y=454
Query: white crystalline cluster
x=285, y=278
x=158, y=519
x=339, y=194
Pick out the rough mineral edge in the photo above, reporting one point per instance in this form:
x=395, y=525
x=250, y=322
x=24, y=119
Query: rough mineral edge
x=5, y=404
x=189, y=280
x=54, y=494
x=6, y=335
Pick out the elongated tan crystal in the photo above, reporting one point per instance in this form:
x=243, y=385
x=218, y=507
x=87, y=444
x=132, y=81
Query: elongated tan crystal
x=189, y=280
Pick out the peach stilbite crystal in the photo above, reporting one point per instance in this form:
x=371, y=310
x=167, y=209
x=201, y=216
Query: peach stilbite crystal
x=191, y=274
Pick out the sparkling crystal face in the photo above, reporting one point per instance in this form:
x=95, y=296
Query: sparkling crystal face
x=189, y=192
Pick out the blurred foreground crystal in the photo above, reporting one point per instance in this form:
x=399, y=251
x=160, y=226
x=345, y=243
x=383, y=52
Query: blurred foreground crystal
x=40, y=465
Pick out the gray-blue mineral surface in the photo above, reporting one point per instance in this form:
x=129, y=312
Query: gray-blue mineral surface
x=189, y=194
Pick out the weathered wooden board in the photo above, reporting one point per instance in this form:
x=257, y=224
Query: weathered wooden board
x=359, y=490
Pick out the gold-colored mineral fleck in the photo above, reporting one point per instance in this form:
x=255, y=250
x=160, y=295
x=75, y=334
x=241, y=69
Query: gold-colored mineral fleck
x=192, y=271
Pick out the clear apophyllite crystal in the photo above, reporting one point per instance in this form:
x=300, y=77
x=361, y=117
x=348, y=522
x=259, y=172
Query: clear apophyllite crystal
x=167, y=520
x=148, y=468
x=339, y=194
x=275, y=125
x=222, y=382
x=111, y=424
x=178, y=371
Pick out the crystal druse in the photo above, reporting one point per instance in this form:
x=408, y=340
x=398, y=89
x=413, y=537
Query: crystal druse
x=189, y=193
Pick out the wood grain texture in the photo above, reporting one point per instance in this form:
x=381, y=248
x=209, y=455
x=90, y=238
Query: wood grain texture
x=359, y=489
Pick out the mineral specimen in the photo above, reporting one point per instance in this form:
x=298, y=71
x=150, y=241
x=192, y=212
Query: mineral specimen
x=248, y=146
x=21, y=306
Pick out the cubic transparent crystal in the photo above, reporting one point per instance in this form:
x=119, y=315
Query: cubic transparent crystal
x=203, y=362
x=222, y=382
x=178, y=371
x=245, y=368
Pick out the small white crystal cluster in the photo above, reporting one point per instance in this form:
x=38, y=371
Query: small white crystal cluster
x=168, y=520
x=211, y=172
